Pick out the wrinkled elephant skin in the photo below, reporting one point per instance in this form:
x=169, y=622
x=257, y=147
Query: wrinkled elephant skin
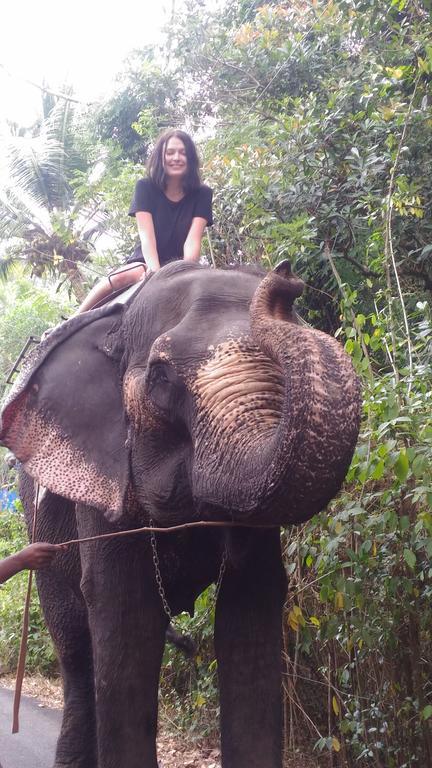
x=200, y=398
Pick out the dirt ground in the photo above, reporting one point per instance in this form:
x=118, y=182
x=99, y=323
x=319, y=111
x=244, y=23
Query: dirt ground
x=174, y=750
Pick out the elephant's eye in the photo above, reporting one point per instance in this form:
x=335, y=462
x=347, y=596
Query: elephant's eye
x=164, y=389
x=167, y=393
x=157, y=375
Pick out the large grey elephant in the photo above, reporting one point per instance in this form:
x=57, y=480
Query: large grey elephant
x=199, y=398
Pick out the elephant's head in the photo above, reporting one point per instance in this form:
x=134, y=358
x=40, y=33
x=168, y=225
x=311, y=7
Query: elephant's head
x=202, y=397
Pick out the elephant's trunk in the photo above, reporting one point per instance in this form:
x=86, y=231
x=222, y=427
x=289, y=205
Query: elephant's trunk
x=288, y=456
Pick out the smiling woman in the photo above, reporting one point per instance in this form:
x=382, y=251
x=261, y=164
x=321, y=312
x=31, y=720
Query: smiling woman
x=172, y=208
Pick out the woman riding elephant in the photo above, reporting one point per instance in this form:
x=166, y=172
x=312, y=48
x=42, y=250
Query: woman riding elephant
x=172, y=208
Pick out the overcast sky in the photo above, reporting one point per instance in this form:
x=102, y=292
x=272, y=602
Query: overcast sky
x=83, y=42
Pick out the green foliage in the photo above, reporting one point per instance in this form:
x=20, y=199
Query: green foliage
x=189, y=685
x=146, y=100
x=40, y=652
x=312, y=102
x=368, y=615
x=26, y=309
x=115, y=188
x=49, y=221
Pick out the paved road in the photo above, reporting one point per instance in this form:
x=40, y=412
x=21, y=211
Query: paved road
x=34, y=745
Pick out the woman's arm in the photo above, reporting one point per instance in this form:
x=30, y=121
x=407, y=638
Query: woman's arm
x=192, y=246
x=148, y=239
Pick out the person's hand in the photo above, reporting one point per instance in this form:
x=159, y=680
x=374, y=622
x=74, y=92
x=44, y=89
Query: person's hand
x=37, y=555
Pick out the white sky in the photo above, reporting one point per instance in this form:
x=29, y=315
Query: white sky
x=82, y=41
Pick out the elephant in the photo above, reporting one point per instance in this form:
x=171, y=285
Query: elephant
x=201, y=397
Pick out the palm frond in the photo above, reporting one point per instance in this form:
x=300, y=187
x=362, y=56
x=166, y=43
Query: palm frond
x=8, y=265
x=19, y=211
x=33, y=164
x=12, y=220
x=59, y=127
x=91, y=218
x=23, y=158
x=97, y=230
x=40, y=226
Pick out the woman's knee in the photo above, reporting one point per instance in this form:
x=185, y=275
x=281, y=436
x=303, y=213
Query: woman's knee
x=127, y=275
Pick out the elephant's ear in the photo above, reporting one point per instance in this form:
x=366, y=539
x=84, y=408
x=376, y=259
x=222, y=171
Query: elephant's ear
x=64, y=418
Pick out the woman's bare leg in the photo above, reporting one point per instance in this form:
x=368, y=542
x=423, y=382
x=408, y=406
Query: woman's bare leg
x=121, y=278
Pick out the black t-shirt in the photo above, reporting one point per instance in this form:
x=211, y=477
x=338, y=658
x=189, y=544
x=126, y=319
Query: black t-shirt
x=171, y=221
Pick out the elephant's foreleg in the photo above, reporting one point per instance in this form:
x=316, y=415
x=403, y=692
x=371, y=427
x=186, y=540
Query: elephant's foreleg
x=248, y=635
x=66, y=617
x=76, y=746
x=128, y=627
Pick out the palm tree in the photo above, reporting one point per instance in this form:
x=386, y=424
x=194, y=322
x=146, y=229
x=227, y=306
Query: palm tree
x=44, y=223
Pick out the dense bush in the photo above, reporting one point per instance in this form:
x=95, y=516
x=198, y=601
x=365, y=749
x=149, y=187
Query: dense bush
x=361, y=574
x=40, y=655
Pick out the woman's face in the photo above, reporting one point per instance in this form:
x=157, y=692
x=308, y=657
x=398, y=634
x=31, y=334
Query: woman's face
x=175, y=159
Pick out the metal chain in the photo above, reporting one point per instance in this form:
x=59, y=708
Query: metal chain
x=158, y=574
x=221, y=573
x=161, y=590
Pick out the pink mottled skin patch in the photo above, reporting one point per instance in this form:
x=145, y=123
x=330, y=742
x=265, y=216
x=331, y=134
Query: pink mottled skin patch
x=58, y=465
